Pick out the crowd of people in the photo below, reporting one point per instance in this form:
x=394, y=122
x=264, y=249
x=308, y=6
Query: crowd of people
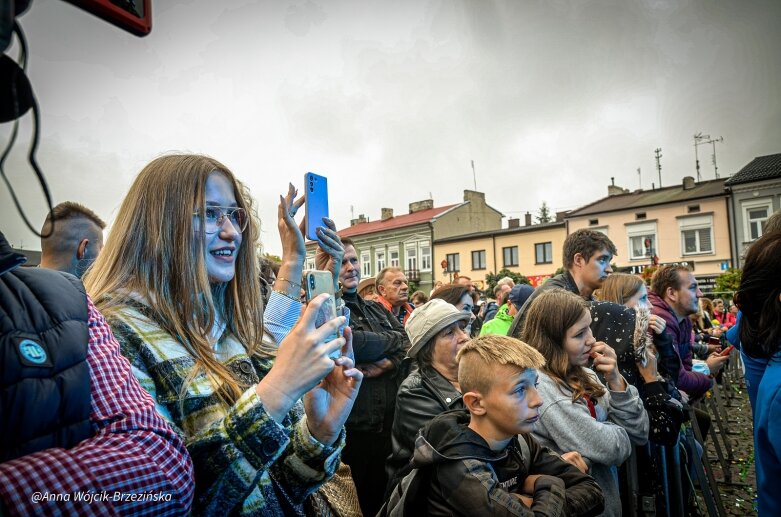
x=188, y=375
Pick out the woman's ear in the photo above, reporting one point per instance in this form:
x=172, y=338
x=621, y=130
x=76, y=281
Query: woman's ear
x=474, y=402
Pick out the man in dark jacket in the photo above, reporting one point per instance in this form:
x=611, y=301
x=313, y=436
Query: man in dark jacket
x=587, y=255
x=380, y=344
x=674, y=294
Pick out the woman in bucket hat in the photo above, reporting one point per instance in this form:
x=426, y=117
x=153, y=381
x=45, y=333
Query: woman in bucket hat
x=436, y=331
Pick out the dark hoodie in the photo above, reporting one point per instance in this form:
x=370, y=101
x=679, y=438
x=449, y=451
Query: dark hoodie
x=468, y=478
x=695, y=384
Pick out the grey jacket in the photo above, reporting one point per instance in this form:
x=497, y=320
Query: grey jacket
x=605, y=441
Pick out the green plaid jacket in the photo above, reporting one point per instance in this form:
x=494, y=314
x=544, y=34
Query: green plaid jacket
x=245, y=462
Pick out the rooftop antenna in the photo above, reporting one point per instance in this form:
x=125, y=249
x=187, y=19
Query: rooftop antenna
x=639, y=179
x=658, y=153
x=714, y=141
x=352, y=212
x=699, y=139
x=474, y=176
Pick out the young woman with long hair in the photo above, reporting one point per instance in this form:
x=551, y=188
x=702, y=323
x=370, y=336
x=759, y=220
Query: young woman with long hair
x=179, y=284
x=580, y=413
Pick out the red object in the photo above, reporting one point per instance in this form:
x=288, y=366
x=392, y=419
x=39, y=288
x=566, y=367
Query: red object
x=592, y=408
x=133, y=451
x=726, y=351
x=134, y=16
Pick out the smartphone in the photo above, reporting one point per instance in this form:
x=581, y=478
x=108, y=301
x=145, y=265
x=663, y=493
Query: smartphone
x=316, y=283
x=726, y=351
x=316, y=196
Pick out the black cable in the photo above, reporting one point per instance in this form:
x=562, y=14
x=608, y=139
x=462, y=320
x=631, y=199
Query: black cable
x=33, y=146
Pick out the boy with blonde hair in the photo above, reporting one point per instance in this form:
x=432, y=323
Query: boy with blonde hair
x=481, y=460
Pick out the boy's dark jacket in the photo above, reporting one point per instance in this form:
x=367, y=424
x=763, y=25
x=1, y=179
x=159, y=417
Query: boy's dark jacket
x=455, y=461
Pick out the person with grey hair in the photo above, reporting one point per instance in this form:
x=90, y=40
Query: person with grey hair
x=436, y=333
x=74, y=242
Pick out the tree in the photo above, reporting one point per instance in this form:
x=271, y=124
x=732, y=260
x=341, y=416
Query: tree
x=729, y=281
x=492, y=279
x=543, y=214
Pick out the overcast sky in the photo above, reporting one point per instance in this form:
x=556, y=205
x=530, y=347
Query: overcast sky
x=391, y=100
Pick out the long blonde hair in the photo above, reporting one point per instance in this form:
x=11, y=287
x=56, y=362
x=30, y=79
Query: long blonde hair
x=619, y=287
x=549, y=317
x=154, y=251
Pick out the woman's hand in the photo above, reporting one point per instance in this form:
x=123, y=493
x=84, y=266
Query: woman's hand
x=331, y=250
x=656, y=324
x=293, y=248
x=302, y=360
x=649, y=372
x=329, y=404
x=606, y=363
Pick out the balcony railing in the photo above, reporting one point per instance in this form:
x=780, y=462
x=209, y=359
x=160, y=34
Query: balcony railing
x=413, y=275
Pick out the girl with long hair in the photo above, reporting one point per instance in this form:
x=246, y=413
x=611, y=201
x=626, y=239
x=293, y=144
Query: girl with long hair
x=579, y=412
x=178, y=283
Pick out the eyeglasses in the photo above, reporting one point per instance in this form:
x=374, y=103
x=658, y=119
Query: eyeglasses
x=214, y=216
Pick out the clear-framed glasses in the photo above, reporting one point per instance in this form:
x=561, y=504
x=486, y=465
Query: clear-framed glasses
x=214, y=218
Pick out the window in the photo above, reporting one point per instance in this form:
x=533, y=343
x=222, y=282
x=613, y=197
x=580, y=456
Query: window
x=696, y=235
x=394, y=257
x=756, y=212
x=543, y=253
x=310, y=263
x=425, y=257
x=478, y=259
x=642, y=240
x=453, y=263
x=379, y=256
x=693, y=209
x=412, y=258
x=366, y=265
x=510, y=255
x=640, y=215
x=593, y=222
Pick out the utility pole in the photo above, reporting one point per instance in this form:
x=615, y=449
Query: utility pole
x=658, y=153
x=474, y=176
x=699, y=139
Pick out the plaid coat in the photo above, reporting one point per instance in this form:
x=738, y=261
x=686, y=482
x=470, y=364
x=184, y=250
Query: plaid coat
x=245, y=462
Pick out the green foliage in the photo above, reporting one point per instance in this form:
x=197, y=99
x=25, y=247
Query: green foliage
x=729, y=281
x=543, y=214
x=559, y=271
x=491, y=279
x=272, y=258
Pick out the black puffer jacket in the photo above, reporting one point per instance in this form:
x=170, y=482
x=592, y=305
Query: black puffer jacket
x=424, y=394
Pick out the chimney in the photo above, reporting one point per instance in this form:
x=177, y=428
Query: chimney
x=417, y=206
x=561, y=215
x=614, y=190
x=361, y=219
x=514, y=222
x=527, y=219
x=387, y=213
x=688, y=183
x=473, y=195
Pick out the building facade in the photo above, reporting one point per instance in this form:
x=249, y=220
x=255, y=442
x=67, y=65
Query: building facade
x=755, y=194
x=406, y=241
x=683, y=224
x=532, y=250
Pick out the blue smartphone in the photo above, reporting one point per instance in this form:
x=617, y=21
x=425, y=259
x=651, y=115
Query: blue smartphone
x=316, y=196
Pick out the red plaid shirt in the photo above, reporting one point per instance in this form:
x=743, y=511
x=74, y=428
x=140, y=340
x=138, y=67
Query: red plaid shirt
x=133, y=464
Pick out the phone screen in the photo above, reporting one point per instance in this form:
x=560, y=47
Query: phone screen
x=316, y=283
x=316, y=195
